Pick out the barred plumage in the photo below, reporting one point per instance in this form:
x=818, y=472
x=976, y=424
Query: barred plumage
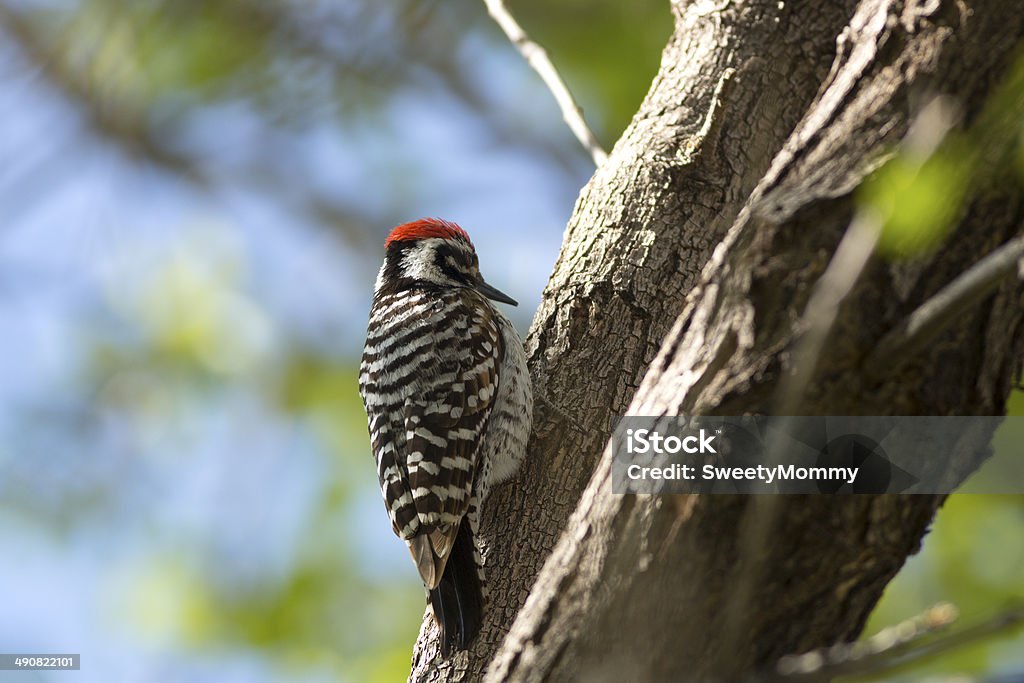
x=448, y=400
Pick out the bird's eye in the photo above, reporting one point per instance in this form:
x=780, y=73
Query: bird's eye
x=458, y=270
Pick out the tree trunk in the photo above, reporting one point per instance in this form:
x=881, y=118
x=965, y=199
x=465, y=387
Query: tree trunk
x=712, y=175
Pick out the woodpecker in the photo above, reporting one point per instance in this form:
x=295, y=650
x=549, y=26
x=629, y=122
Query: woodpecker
x=449, y=406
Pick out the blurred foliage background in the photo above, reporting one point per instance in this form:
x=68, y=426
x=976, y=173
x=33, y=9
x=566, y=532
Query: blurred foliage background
x=194, y=196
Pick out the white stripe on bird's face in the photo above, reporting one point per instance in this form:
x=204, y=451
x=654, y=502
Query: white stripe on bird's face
x=420, y=262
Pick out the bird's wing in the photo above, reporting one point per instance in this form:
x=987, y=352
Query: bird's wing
x=429, y=378
x=444, y=424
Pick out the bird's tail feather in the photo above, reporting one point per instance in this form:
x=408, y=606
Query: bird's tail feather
x=458, y=601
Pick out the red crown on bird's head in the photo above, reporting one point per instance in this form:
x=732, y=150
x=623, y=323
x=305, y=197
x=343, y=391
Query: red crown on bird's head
x=426, y=228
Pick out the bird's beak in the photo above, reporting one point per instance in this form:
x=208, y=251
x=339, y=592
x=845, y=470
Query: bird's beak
x=492, y=293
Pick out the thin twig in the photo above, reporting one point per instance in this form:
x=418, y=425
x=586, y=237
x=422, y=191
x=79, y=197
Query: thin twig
x=838, y=280
x=924, y=137
x=893, y=647
x=889, y=642
x=538, y=59
x=946, y=307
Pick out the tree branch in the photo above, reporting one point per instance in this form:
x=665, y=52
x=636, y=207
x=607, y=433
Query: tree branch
x=945, y=308
x=637, y=585
x=893, y=647
x=538, y=59
x=889, y=642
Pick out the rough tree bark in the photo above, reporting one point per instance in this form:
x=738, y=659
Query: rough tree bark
x=742, y=161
